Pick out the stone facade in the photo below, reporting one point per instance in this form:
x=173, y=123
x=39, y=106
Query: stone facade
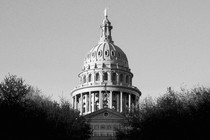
x=104, y=123
x=105, y=83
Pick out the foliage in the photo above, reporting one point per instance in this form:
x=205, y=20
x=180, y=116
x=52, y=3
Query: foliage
x=184, y=115
x=25, y=114
x=13, y=89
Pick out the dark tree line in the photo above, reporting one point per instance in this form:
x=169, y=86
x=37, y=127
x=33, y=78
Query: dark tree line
x=27, y=115
x=173, y=116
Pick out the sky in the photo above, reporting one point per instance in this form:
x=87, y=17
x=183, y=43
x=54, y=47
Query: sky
x=166, y=41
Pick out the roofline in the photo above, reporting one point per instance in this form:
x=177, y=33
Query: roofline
x=101, y=110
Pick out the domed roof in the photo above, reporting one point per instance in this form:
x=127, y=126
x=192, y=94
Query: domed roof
x=106, y=51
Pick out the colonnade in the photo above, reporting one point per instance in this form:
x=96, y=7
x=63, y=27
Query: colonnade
x=91, y=101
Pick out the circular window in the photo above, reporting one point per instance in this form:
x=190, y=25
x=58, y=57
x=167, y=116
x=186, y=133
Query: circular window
x=106, y=114
x=112, y=53
x=107, y=53
x=99, y=53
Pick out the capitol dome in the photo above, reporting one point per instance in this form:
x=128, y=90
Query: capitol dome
x=106, y=79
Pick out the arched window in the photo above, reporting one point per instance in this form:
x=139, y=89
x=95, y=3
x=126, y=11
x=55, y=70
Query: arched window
x=127, y=79
x=84, y=79
x=114, y=77
x=89, y=78
x=105, y=76
x=97, y=77
x=121, y=78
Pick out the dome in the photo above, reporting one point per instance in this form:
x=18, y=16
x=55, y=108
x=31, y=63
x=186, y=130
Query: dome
x=106, y=79
x=107, y=52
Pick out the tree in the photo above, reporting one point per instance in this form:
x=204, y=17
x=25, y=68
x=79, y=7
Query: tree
x=184, y=115
x=26, y=114
x=13, y=89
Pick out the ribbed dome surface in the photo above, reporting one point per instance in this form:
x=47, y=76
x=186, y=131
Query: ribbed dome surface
x=107, y=51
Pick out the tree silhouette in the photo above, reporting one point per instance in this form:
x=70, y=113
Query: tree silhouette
x=184, y=115
x=25, y=114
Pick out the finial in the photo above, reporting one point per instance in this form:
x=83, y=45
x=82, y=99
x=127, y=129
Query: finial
x=105, y=12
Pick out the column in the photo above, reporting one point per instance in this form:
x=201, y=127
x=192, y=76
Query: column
x=121, y=101
x=75, y=102
x=109, y=77
x=72, y=101
x=89, y=102
x=86, y=103
x=93, y=102
x=101, y=77
x=81, y=101
x=110, y=99
x=100, y=100
x=135, y=103
x=129, y=101
x=138, y=100
x=118, y=102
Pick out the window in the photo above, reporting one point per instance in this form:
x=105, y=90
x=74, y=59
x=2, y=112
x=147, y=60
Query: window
x=121, y=78
x=96, y=127
x=127, y=79
x=97, y=77
x=100, y=53
x=106, y=114
x=103, y=127
x=103, y=134
x=108, y=127
x=84, y=79
x=89, y=78
x=105, y=77
x=112, y=53
x=114, y=77
x=107, y=53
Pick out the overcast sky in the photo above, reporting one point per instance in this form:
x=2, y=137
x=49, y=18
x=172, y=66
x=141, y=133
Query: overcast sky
x=167, y=42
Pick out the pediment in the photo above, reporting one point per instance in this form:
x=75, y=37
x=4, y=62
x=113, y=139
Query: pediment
x=105, y=114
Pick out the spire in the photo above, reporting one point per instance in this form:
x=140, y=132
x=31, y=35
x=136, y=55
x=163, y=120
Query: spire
x=106, y=28
x=105, y=12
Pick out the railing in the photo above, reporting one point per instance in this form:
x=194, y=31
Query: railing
x=105, y=83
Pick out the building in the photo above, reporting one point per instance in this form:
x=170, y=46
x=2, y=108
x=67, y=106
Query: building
x=105, y=88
